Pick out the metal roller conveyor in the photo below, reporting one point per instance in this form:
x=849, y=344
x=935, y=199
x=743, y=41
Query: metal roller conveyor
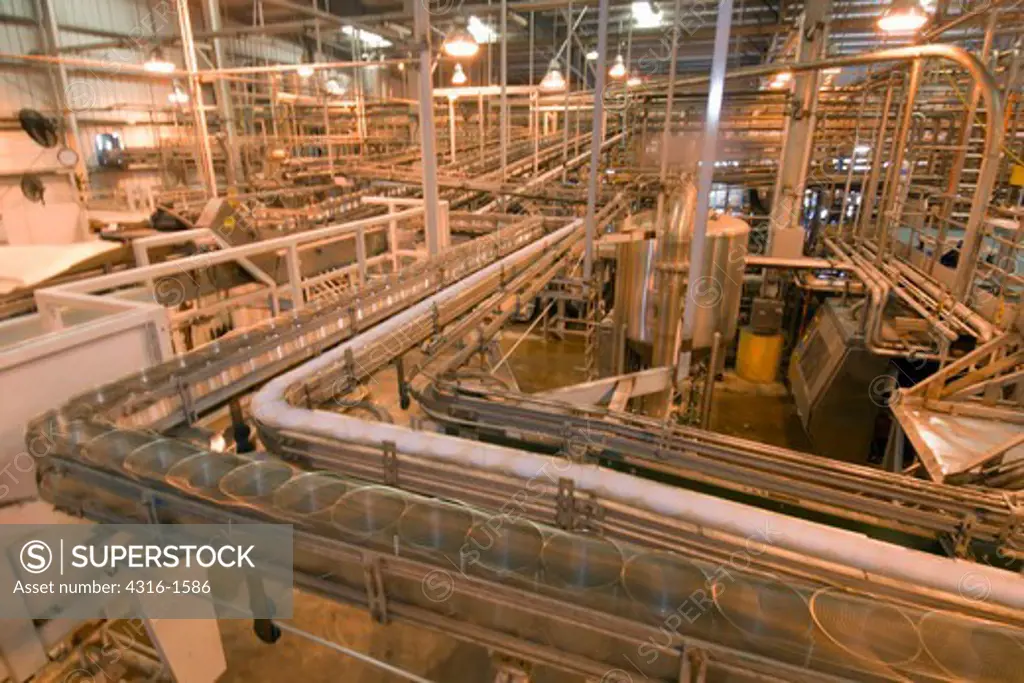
x=561, y=572
x=856, y=493
x=580, y=601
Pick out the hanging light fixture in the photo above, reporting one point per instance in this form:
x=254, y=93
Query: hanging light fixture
x=592, y=56
x=903, y=16
x=305, y=70
x=553, y=79
x=158, y=64
x=618, y=69
x=633, y=81
x=459, y=77
x=645, y=16
x=781, y=80
x=460, y=42
x=178, y=96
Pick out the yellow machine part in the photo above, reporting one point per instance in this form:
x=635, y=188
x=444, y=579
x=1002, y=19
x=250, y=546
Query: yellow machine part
x=759, y=356
x=1017, y=175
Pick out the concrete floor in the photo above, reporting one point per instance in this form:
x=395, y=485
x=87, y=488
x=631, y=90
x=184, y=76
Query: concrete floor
x=432, y=655
x=762, y=412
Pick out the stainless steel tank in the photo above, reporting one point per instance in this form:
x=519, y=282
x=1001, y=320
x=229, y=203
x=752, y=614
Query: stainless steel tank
x=718, y=290
x=635, y=286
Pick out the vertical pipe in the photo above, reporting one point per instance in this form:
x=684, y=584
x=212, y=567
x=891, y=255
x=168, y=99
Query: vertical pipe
x=704, y=178
x=74, y=137
x=393, y=238
x=853, y=163
x=503, y=119
x=629, y=72
x=482, y=134
x=888, y=213
x=451, y=126
x=537, y=130
x=233, y=163
x=597, y=140
x=294, y=275
x=867, y=197
x=707, y=399
x=361, y=253
x=568, y=87
x=964, y=141
x=188, y=49
x=787, y=205
x=428, y=137
x=669, y=103
x=534, y=134
x=974, y=233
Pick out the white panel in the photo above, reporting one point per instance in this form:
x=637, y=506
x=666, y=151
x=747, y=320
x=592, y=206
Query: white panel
x=39, y=379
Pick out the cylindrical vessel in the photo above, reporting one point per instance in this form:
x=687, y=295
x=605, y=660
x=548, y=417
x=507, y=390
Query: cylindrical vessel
x=646, y=267
x=718, y=290
x=758, y=357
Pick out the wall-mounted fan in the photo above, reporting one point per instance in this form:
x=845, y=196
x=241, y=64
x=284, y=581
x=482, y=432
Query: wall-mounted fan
x=33, y=189
x=38, y=127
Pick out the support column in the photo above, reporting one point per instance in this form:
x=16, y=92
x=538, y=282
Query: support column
x=870, y=189
x=233, y=160
x=568, y=87
x=428, y=137
x=705, y=175
x=785, y=236
x=889, y=213
x=73, y=138
x=503, y=114
x=483, y=124
x=204, y=155
x=667, y=130
x=451, y=126
x=596, y=141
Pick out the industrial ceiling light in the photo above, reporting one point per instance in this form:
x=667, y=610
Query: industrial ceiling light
x=903, y=16
x=618, y=69
x=178, y=96
x=367, y=38
x=634, y=81
x=592, y=56
x=158, y=64
x=333, y=87
x=460, y=43
x=781, y=80
x=305, y=70
x=645, y=16
x=459, y=77
x=553, y=79
x=481, y=32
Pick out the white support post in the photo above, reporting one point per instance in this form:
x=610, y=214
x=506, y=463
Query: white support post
x=295, y=277
x=361, y=253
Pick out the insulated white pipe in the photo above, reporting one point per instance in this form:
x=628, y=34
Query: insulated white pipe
x=847, y=548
